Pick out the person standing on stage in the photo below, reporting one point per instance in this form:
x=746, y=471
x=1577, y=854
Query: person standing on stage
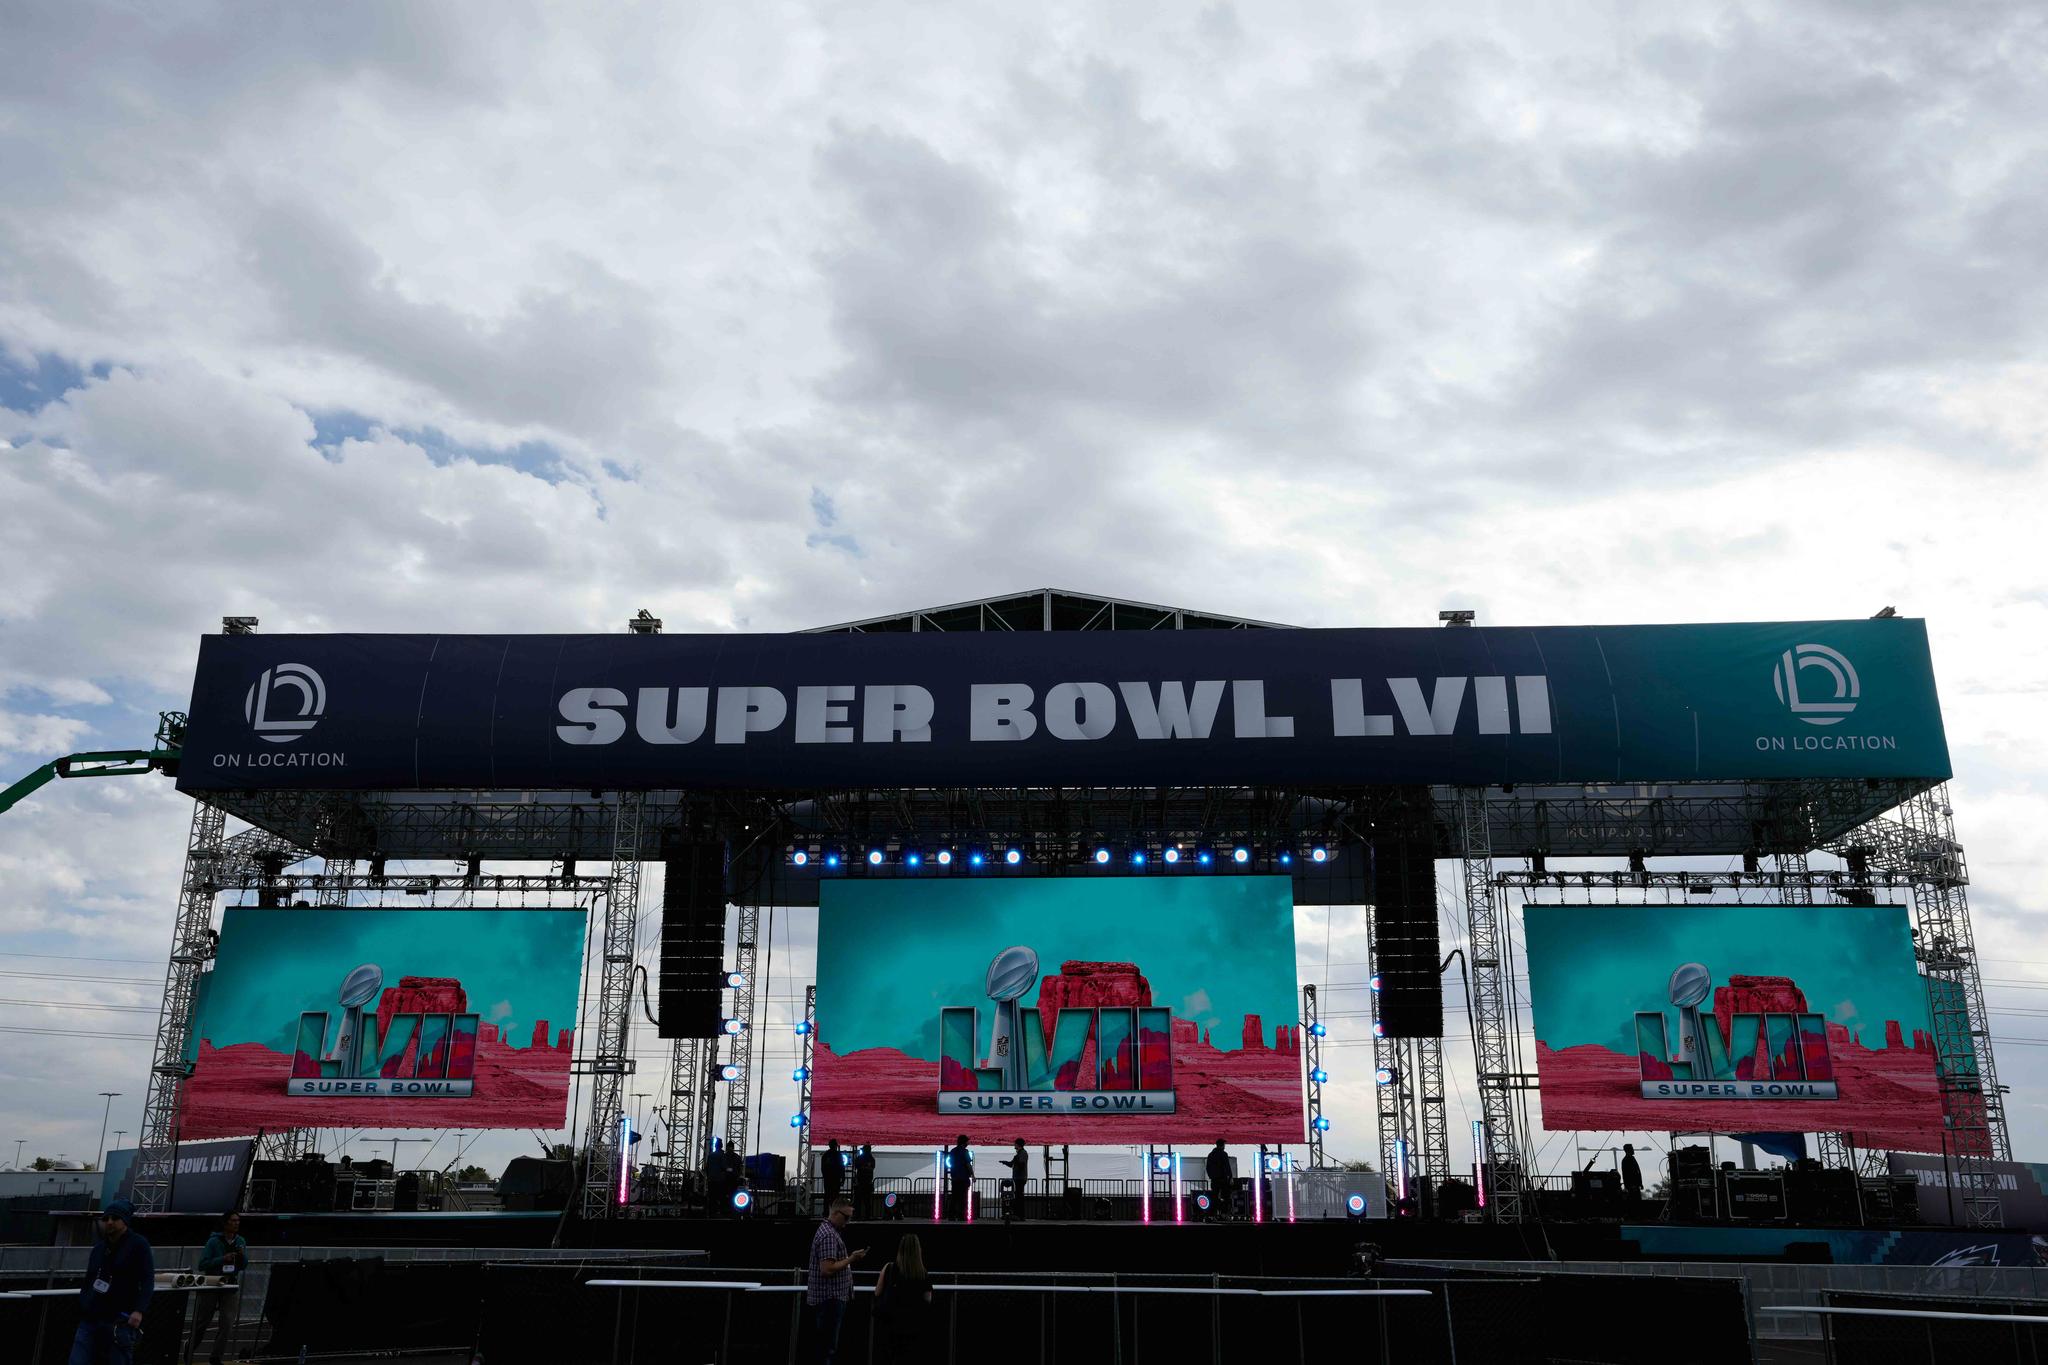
x=1631, y=1174
x=1217, y=1168
x=1020, y=1172
x=903, y=1304
x=225, y=1255
x=959, y=1179
x=828, y=1286
x=833, y=1162
x=120, y=1276
x=864, y=1182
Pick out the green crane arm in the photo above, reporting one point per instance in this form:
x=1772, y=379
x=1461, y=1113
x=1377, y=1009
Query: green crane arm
x=170, y=738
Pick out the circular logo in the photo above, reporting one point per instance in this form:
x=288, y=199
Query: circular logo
x=271, y=715
x=1815, y=705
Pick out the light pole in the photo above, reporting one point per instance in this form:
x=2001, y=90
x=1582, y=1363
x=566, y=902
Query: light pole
x=119, y=1133
x=19, y=1143
x=106, y=1113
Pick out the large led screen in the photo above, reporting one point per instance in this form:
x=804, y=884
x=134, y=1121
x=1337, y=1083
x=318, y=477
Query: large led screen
x=335, y=1018
x=1733, y=1018
x=1058, y=1010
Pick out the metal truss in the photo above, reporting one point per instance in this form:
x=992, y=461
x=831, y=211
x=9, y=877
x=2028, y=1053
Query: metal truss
x=685, y=1078
x=1047, y=609
x=1921, y=842
x=610, y=1058
x=192, y=941
x=739, y=1091
x=1390, y=1079
x=1493, y=1021
x=1312, y=1048
x=1432, y=1124
x=803, y=1099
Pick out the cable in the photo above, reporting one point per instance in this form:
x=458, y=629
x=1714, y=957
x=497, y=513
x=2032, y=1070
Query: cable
x=74, y=957
x=68, y=1005
x=71, y=1033
x=72, y=976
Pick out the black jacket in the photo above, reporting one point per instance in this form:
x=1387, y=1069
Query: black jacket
x=129, y=1269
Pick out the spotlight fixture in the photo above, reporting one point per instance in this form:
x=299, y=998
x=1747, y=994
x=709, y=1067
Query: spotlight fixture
x=1013, y=857
x=1318, y=1029
x=1205, y=857
x=1373, y=981
x=1354, y=1204
x=912, y=859
x=1319, y=1076
x=729, y=1072
x=945, y=857
x=1172, y=855
x=1321, y=1125
x=1383, y=1075
x=732, y=1026
x=743, y=1200
x=736, y=981
x=1240, y=856
x=803, y=1026
x=799, y=857
x=831, y=860
x=1101, y=855
x=974, y=859
x=1162, y=1163
x=1286, y=860
x=874, y=857
x=801, y=1074
x=1320, y=854
x=1138, y=858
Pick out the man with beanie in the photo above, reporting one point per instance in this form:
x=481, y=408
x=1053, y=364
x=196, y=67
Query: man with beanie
x=119, y=1278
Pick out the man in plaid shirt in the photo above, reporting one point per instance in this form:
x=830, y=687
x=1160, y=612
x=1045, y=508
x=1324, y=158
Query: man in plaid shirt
x=830, y=1282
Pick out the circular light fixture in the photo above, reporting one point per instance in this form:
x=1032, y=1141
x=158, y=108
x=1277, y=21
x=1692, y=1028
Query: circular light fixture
x=733, y=1027
x=945, y=857
x=1101, y=855
x=1321, y=855
x=974, y=859
x=831, y=860
x=889, y=1200
x=1373, y=981
x=1172, y=855
x=1354, y=1204
x=743, y=1199
x=802, y=1073
x=736, y=980
x=1240, y=856
x=1162, y=1163
x=1322, y=1125
x=1287, y=860
x=874, y=857
x=1138, y=858
x=799, y=857
x=1205, y=857
x=1319, y=1076
x=1318, y=1029
x=1013, y=857
x=728, y=1072
x=912, y=859
x=1202, y=1200
x=803, y=1026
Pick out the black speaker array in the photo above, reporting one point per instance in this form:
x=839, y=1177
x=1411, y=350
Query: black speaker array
x=1405, y=944
x=692, y=938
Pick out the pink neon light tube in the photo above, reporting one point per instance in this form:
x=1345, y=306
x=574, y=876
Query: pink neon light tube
x=1177, y=1210
x=938, y=1182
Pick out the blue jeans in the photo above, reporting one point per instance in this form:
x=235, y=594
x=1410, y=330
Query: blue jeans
x=104, y=1343
x=828, y=1316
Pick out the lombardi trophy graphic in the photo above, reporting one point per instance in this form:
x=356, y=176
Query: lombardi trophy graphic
x=358, y=989
x=1010, y=975
x=1689, y=987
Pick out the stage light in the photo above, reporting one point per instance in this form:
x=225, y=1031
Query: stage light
x=889, y=1201
x=1318, y=1029
x=797, y=1120
x=831, y=860
x=1013, y=857
x=1202, y=1201
x=1162, y=1163
x=1205, y=857
x=801, y=1074
x=803, y=1026
x=912, y=859
x=1321, y=1124
x=1273, y=1164
x=1172, y=855
x=874, y=857
x=1240, y=856
x=945, y=857
x=732, y=1026
x=1287, y=860
x=1383, y=1075
x=1319, y=1076
x=1138, y=858
x=736, y=981
x=1101, y=855
x=729, y=1072
x=1354, y=1204
x=1379, y=1030
x=974, y=859
x=1321, y=855
x=743, y=1200
x=1373, y=981
x=799, y=857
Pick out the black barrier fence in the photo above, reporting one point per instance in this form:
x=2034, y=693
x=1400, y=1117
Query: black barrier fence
x=1917, y=1329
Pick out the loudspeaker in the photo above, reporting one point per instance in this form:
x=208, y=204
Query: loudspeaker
x=1406, y=951
x=692, y=938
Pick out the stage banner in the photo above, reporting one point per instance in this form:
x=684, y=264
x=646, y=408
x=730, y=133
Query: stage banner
x=1941, y=1184
x=1732, y=1019
x=207, y=1176
x=1102, y=1011
x=330, y=1018
x=1809, y=699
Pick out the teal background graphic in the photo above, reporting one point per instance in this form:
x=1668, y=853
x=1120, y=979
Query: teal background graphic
x=891, y=954
x=517, y=966
x=1591, y=967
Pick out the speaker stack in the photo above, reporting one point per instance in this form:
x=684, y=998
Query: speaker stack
x=692, y=937
x=1406, y=949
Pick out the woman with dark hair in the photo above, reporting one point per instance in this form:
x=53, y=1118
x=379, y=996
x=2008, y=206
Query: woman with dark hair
x=903, y=1304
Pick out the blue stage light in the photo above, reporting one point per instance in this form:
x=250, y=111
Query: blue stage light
x=1319, y=1076
x=1321, y=855
x=803, y=1026
x=1321, y=1125
x=728, y=1072
x=743, y=1200
x=1205, y=857
x=974, y=859
x=1240, y=856
x=912, y=859
x=1101, y=855
x=831, y=860
x=1013, y=857
x=874, y=857
x=1138, y=858
x=1286, y=860
x=1172, y=855
x=797, y=1120
x=799, y=857
x=945, y=857
x=802, y=1073
x=1319, y=1029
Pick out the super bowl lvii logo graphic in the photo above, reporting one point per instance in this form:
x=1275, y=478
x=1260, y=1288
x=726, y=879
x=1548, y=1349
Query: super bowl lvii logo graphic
x=1108, y=1060
x=271, y=715
x=388, y=1056
x=1817, y=684
x=1728, y=1054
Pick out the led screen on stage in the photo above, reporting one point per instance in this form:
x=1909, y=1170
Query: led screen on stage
x=335, y=1018
x=1092, y=1010
x=1733, y=1019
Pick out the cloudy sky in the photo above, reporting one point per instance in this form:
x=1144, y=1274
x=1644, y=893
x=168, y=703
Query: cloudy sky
x=480, y=318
